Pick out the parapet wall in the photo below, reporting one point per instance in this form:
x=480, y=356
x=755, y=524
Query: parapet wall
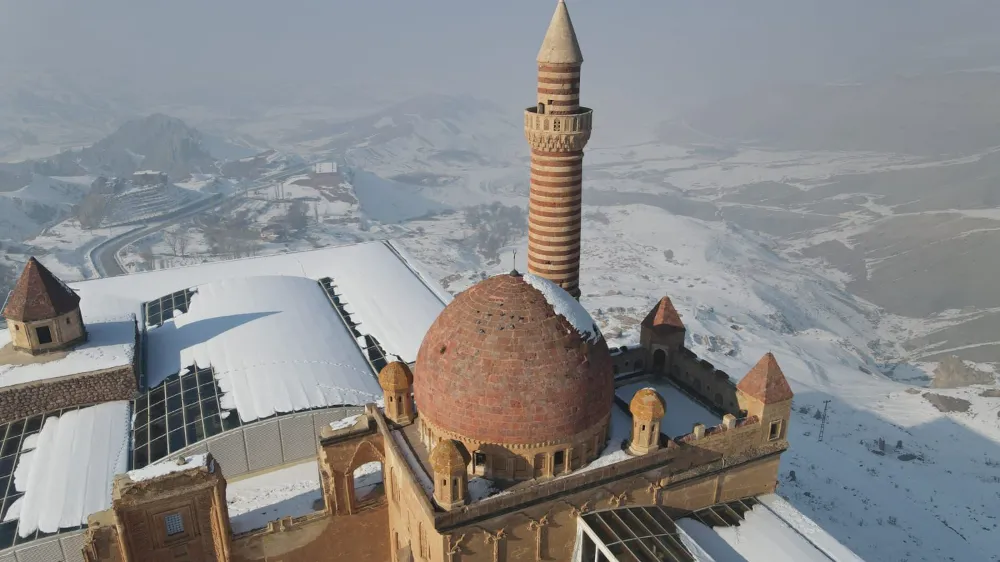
x=22, y=401
x=700, y=377
x=627, y=360
x=736, y=439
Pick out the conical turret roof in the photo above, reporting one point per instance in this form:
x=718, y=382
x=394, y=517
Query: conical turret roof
x=766, y=382
x=39, y=295
x=560, y=45
x=664, y=317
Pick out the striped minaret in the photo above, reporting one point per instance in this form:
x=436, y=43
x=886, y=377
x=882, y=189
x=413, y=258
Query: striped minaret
x=557, y=129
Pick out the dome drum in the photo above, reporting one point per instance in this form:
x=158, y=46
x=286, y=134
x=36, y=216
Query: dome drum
x=523, y=461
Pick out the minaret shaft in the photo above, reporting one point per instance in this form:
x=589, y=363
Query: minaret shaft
x=557, y=129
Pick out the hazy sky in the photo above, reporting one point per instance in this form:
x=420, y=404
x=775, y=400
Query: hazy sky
x=644, y=54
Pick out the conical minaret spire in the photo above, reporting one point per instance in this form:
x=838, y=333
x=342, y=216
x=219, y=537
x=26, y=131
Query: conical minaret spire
x=557, y=129
x=560, y=45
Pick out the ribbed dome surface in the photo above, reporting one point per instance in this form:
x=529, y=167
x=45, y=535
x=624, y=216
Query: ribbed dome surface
x=499, y=365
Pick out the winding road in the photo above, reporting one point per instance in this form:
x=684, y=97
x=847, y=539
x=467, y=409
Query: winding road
x=103, y=256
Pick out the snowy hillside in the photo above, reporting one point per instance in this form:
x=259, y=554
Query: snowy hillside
x=26, y=211
x=421, y=134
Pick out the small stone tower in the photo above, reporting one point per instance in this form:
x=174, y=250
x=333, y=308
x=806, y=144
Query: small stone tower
x=661, y=334
x=648, y=409
x=764, y=392
x=396, y=381
x=557, y=129
x=42, y=313
x=449, y=461
x=174, y=510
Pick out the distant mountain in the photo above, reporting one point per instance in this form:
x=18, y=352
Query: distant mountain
x=157, y=142
x=427, y=131
x=38, y=118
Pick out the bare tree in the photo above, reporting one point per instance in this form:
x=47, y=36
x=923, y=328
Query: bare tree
x=182, y=241
x=171, y=239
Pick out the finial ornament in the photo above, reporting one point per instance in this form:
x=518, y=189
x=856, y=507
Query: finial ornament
x=514, y=270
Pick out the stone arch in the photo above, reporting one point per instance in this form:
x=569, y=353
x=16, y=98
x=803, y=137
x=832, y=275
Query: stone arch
x=366, y=488
x=659, y=360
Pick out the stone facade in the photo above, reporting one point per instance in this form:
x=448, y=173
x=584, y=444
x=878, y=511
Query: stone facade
x=538, y=522
x=24, y=400
x=53, y=334
x=176, y=517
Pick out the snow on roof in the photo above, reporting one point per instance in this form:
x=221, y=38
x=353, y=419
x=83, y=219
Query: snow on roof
x=256, y=501
x=110, y=344
x=566, y=306
x=170, y=466
x=682, y=411
x=763, y=536
x=807, y=527
x=704, y=544
x=275, y=344
x=344, y=423
x=393, y=301
x=416, y=468
x=68, y=474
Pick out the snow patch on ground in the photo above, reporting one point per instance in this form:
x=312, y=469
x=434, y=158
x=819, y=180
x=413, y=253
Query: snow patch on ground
x=291, y=491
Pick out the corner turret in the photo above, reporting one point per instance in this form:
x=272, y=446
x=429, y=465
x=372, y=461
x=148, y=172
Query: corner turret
x=42, y=313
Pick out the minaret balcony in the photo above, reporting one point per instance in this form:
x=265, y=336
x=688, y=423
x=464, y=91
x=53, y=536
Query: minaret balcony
x=558, y=132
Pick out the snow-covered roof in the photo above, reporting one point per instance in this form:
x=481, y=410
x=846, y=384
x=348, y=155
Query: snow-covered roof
x=170, y=466
x=765, y=536
x=67, y=469
x=382, y=288
x=566, y=306
x=256, y=501
x=275, y=345
x=682, y=411
x=110, y=344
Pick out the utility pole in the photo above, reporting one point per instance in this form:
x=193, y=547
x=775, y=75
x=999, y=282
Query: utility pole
x=822, y=424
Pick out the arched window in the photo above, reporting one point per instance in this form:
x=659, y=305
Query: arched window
x=541, y=108
x=556, y=124
x=545, y=125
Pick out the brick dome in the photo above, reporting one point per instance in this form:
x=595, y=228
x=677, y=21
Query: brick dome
x=500, y=365
x=647, y=404
x=395, y=376
x=449, y=456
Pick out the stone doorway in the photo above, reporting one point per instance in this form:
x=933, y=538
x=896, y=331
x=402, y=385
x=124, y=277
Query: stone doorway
x=659, y=361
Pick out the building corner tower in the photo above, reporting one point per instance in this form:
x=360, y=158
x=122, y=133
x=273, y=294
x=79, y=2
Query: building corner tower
x=557, y=129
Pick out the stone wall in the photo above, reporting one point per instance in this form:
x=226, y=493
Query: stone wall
x=21, y=401
x=626, y=360
x=700, y=377
x=546, y=530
